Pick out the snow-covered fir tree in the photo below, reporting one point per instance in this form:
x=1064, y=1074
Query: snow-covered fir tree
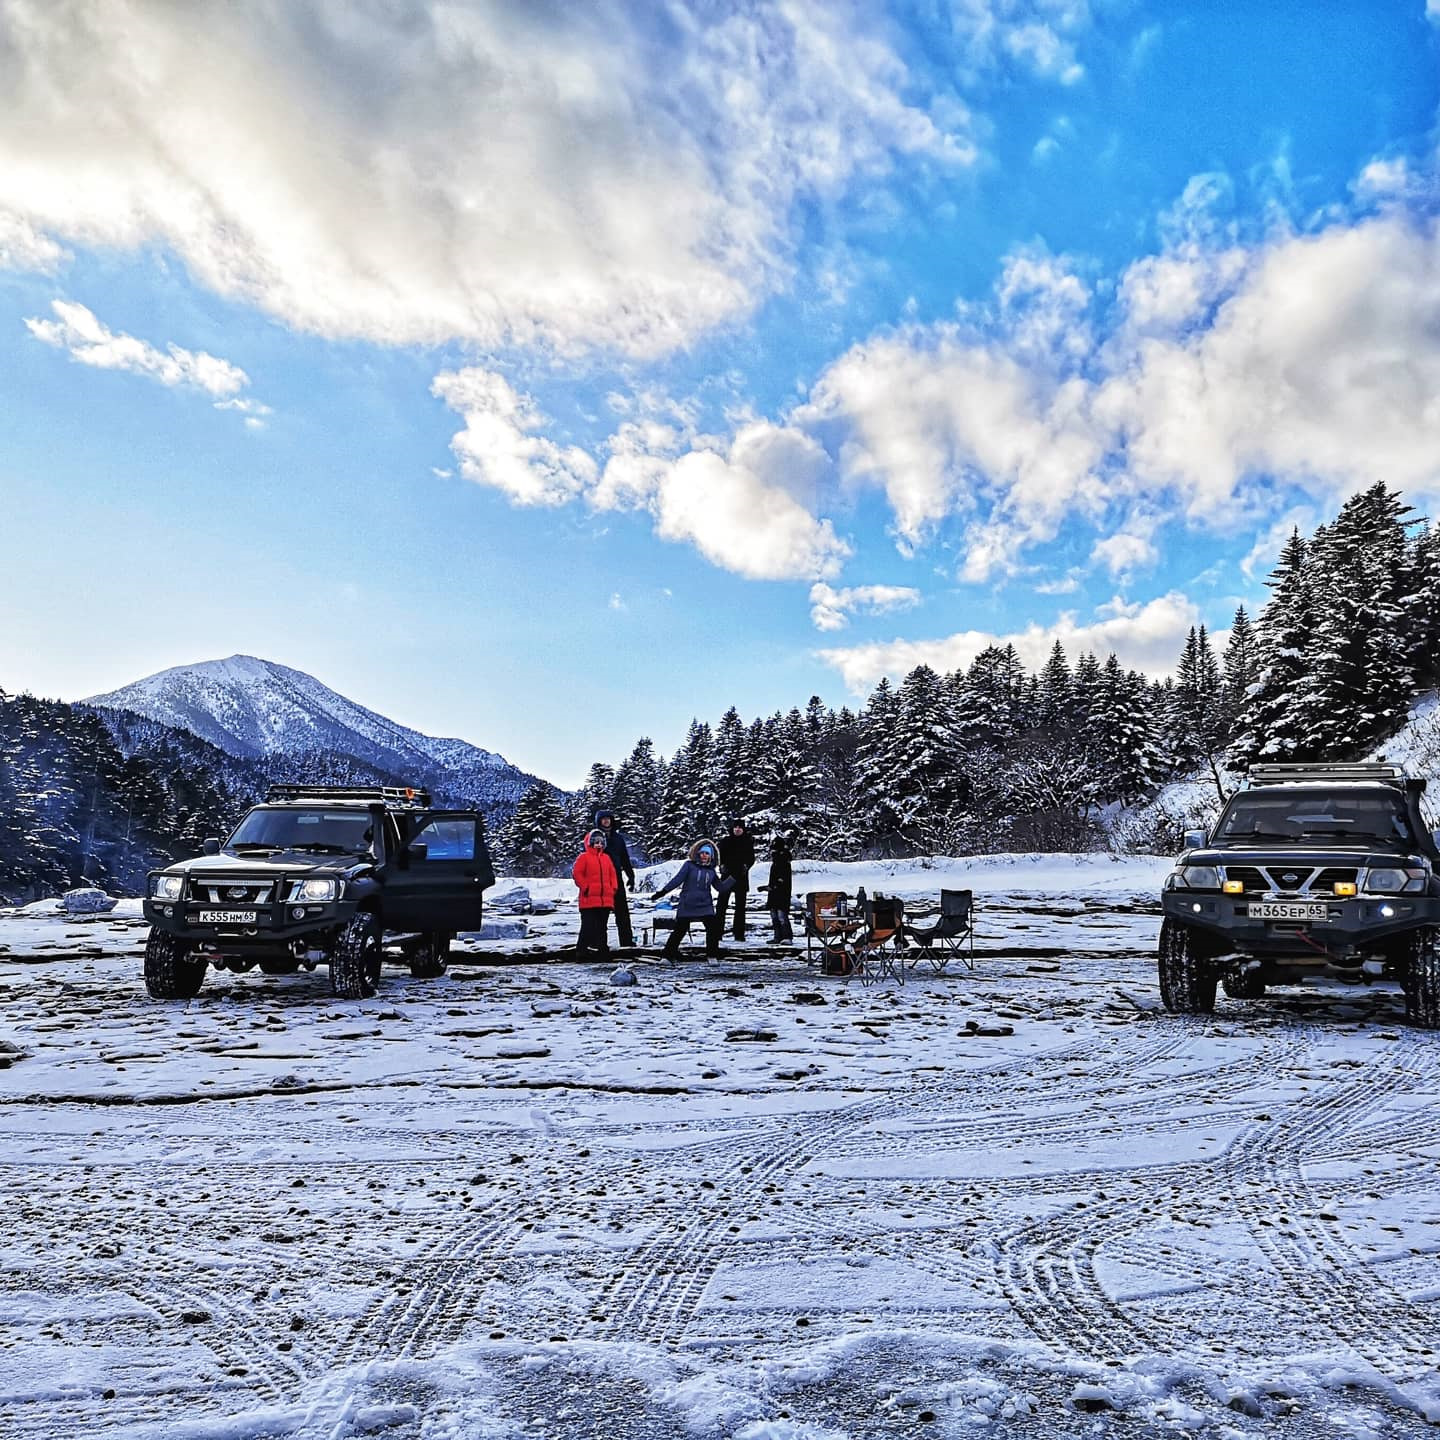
x=539, y=838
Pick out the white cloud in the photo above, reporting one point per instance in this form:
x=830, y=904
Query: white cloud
x=22, y=247
x=947, y=420
x=499, y=447
x=1228, y=379
x=1146, y=637
x=1125, y=552
x=1383, y=178
x=748, y=504
x=1432, y=9
x=616, y=174
x=89, y=341
x=831, y=609
x=1035, y=35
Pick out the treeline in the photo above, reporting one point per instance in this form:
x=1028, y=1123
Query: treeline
x=995, y=757
x=75, y=808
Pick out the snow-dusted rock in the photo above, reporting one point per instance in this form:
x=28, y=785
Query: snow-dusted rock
x=622, y=975
x=511, y=896
x=86, y=900
x=498, y=930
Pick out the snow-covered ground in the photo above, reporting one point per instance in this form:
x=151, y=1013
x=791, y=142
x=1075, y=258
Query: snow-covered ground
x=738, y=1198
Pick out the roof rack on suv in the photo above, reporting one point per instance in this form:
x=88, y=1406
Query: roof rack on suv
x=1325, y=770
x=398, y=796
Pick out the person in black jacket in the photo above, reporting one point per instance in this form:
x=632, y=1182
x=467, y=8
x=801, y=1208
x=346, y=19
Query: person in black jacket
x=616, y=847
x=737, y=855
x=778, y=890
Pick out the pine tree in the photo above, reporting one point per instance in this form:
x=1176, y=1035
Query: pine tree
x=1126, y=737
x=1241, y=673
x=538, y=838
x=597, y=793
x=1055, y=696
x=1276, y=724
x=636, y=797
x=877, y=819
x=1362, y=672
x=922, y=788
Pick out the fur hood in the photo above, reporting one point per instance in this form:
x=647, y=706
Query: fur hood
x=699, y=845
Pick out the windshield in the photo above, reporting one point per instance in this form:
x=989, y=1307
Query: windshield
x=1363, y=818
x=341, y=832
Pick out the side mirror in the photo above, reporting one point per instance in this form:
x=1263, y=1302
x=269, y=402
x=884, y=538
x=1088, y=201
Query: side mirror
x=418, y=850
x=1196, y=839
x=210, y=846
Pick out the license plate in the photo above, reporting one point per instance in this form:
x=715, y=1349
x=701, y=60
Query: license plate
x=226, y=917
x=1289, y=910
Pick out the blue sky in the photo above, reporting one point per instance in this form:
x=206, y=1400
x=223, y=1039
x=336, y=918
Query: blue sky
x=548, y=378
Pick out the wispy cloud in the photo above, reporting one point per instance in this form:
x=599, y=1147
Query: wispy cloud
x=22, y=247
x=89, y=341
x=831, y=609
x=1146, y=637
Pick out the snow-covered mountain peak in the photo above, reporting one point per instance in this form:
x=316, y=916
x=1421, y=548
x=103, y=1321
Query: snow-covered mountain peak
x=256, y=708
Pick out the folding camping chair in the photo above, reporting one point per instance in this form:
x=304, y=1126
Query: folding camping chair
x=879, y=948
x=828, y=925
x=952, y=935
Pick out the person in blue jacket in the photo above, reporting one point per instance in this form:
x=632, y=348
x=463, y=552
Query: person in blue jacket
x=696, y=879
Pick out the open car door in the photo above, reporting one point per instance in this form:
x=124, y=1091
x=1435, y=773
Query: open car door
x=444, y=870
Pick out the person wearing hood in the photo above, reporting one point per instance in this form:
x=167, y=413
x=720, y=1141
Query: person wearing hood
x=695, y=880
x=778, y=890
x=737, y=856
x=617, y=847
x=595, y=878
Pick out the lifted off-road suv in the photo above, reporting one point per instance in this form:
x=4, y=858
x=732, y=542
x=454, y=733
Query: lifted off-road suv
x=320, y=875
x=1310, y=869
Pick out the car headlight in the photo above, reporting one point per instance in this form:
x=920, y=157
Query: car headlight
x=315, y=890
x=166, y=887
x=1385, y=882
x=1199, y=877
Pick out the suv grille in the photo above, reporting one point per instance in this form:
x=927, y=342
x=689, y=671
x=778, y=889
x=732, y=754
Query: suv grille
x=1248, y=876
x=231, y=890
x=1303, y=878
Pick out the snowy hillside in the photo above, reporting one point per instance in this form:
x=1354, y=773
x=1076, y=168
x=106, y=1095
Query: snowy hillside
x=254, y=708
x=1193, y=801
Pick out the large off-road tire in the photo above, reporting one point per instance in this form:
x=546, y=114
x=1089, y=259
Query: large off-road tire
x=430, y=955
x=1187, y=982
x=1243, y=985
x=1422, y=980
x=355, y=960
x=170, y=973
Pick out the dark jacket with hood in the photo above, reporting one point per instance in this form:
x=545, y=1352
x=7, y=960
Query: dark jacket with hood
x=737, y=852
x=695, y=882
x=617, y=845
x=781, y=877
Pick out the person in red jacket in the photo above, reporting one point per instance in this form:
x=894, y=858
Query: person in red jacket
x=594, y=874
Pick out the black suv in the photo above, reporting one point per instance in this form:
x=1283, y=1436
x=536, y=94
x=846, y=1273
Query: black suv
x=1310, y=869
x=320, y=875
